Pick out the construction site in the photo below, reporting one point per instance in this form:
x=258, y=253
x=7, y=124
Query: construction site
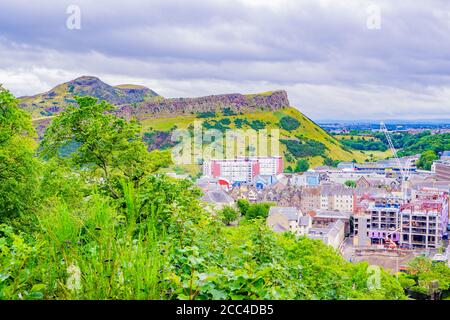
x=391, y=230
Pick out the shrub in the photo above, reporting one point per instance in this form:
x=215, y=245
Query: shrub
x=302, y=165
x=305, y=148
x=288, y=123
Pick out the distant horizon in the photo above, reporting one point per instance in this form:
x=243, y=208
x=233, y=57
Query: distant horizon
x=387, y=121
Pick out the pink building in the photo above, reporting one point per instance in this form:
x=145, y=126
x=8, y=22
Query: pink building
x=243, y=169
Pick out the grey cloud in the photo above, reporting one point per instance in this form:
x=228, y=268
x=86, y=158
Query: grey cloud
x=320, y=51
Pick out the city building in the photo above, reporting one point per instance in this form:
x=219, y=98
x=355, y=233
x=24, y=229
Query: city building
x=361, y=227
x=243, y=170
x=445, y=155
x=332, y=235
x=336, y=197
x=422, y=222
x=310, y=199
x=384, y=222
x=388, y=166
x=322, y=218
x=308, y=178
x=346, y=166
x=288, y=219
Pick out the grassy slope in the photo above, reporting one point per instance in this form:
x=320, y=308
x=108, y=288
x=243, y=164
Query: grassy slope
x=307, y=128
x=41, y=103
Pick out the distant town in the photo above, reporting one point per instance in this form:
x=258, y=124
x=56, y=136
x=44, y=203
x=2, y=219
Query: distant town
x=413, y=127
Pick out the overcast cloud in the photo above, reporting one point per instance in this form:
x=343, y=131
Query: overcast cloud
x=320, y=51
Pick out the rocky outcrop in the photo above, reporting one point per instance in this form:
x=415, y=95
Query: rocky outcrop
x=178, y=106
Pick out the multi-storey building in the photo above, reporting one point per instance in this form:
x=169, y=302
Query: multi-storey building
x=384, y=223
x=420, y=223
x=420, y=227
x=424, y=221
x=310, y=199
x=338, y=198
x=243, y=169
x=361, y=227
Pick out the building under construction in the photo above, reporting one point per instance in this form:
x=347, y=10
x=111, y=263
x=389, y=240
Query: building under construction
x=423, y=221
x=420, y=223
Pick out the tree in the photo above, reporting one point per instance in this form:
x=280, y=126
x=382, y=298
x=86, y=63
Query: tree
x=228, y=214
x=426, y=159
x=18, y=168
x=330, y=162
x=423, y=271
x=243, y=206
x=350, y=183
x=258, y=210
x=302, y=165
x=107, y=147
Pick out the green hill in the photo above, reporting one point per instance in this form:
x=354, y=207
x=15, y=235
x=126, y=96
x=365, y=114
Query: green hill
x=307, y=131
x=54, y=101
x=300, y=137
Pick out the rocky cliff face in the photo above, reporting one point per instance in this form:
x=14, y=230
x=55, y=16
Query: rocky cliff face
x=236, y=102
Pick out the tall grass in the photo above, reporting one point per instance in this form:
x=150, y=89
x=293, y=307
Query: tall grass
x=100, y=250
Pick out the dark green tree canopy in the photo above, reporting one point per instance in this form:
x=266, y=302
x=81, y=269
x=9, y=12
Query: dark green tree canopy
x=18, y=177
x=106, y=146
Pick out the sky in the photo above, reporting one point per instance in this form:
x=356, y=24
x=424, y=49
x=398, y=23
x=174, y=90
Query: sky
x=352, y=59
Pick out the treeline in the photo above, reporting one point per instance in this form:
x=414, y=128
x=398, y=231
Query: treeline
x=418, y=143
x=366, y=145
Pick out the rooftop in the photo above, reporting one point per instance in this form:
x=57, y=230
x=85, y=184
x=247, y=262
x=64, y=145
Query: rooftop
x=291, y=213
x=217, y=196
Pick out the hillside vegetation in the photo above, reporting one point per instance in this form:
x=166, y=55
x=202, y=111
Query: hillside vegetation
x=307, y=130
x=300, y=138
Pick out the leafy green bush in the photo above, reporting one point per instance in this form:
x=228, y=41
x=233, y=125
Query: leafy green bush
x=228, y=215
x=330, y=162
x=302, y=165
x=426, y=160
x=215, y=124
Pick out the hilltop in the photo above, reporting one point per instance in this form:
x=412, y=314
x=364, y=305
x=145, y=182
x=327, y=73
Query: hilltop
x=300, y=137
x=54, y=101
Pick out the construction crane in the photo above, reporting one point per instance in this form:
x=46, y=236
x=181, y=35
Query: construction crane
x=404, y=172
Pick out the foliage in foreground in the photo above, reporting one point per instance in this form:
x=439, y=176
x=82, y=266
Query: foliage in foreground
x=104, y=224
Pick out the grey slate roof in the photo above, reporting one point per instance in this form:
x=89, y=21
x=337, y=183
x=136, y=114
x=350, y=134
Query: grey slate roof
x=291, y=213
x=304, y=221
x=217, y=196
